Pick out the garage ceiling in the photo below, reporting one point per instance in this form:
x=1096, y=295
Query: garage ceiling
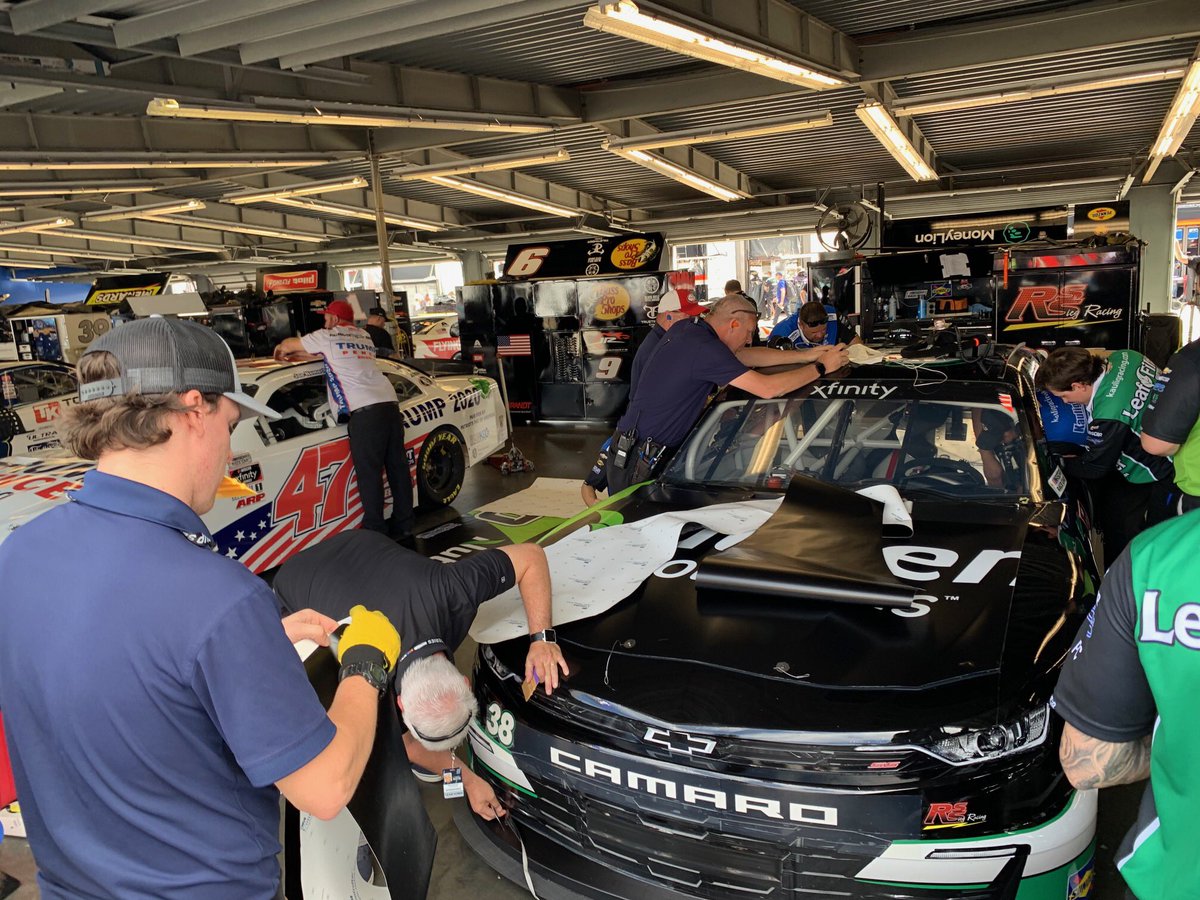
x=528, y=78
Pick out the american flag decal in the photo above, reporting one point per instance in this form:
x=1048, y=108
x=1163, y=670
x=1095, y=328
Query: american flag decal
x=513, y=345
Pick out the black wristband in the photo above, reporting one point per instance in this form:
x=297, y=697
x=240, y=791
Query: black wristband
x=364, y=653
x=820, y=367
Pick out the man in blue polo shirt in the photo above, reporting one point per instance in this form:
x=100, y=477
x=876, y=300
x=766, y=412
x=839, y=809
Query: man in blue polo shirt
x=154, y=705
x=691, y=360
x=811, y=325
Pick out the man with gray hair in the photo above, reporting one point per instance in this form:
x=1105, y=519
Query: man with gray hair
x=432, y=605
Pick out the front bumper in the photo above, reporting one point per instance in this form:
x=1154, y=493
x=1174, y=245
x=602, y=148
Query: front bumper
x=593, y=837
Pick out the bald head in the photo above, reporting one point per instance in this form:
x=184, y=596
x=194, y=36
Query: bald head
x=734, y=319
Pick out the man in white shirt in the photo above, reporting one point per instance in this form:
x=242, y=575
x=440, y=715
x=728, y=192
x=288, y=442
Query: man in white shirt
x=362, y=395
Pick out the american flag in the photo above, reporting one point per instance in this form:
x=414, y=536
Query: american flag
x=513, y=345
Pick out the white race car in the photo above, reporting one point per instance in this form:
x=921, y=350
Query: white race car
x=299, y=466
x=32, y=396
x=438, y=339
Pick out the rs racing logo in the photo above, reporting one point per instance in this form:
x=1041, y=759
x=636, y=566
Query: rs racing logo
x=1050, y=305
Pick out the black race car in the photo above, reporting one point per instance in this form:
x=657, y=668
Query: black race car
x=830, y=707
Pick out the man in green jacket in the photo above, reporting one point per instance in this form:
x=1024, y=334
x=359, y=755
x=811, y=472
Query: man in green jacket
x=1130, y=486
x=1127, y=693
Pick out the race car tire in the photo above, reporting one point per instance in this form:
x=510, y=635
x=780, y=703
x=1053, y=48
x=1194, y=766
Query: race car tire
x=441, y=468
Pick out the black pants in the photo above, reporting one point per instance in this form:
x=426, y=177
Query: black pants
x=1124, y=510
x=377, y=446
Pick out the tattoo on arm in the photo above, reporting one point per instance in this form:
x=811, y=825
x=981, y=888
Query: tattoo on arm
x=1092, y=763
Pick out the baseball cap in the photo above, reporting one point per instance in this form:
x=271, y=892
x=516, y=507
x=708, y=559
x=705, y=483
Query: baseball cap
x=161, y=356
x=680, y=300
x=377, y=311
x=341, y=309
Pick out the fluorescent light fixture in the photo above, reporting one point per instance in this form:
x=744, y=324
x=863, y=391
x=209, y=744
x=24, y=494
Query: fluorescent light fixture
x=161, y=106
x=919, y=107
x=134, y=240
x=1125, y=186
x=626, y=20
x=42, y=250
x=26, y=264
x=268, y=195
x=881, y=124
x=494, y=193
x=236, y=228
x=36, y=225
x=483, y=164
x=49, y=189
x=1179, y=119
x=679, y=173
x=357, y=212
x=1001, y=188
x=210, y=162
x=141, y=212
x=764, y=127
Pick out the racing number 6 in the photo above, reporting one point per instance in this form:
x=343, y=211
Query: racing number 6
x=528, y=261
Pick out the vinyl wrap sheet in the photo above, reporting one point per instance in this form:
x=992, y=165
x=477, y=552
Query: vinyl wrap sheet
x=823, y=543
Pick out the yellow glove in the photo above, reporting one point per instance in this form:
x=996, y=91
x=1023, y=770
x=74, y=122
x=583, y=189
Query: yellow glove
x=369, y=628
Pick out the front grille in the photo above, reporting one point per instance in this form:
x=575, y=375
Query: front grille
x=703, y=862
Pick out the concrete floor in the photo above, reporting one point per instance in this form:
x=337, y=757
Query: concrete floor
x=564, y=452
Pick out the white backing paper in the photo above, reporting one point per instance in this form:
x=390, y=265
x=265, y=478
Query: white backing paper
x=897, y=521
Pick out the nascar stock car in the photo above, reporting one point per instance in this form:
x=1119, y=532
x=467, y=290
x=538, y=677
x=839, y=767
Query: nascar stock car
x=32, y=396
x=298, y=467
x=438, y=339
x=852, y=701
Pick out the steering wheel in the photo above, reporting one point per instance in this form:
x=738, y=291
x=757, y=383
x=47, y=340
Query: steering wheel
x=939, y=471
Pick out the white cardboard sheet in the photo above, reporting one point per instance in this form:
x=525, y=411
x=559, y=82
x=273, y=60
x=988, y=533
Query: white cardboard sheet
x=593, y=571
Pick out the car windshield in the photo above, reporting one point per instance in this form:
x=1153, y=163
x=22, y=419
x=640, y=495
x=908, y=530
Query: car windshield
x=958, y=448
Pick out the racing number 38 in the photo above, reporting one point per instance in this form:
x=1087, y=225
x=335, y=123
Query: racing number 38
x=317, y=490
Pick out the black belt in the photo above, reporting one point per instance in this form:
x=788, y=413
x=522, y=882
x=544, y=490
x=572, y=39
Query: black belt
x=373, y=406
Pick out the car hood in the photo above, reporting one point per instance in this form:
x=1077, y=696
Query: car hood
x=739, y=652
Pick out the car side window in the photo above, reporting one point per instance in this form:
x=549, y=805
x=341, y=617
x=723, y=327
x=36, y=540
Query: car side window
x=303, y=408
x=404, y=388
x=34, y=384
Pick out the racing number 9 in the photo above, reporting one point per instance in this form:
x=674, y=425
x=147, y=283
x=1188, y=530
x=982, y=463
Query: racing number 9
x=528, y=261
x=500, y=724
x=608, y=367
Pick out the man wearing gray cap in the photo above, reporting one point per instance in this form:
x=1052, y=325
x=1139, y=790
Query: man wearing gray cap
x=154, y=705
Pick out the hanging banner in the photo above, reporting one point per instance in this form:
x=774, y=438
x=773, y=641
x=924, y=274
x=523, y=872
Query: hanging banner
x=118, y=288
x=1012, y=227
x=1101, y=218
x=574, y=259
x=294, y=279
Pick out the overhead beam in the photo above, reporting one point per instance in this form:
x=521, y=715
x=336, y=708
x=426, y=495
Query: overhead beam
x=1088, y=26
x=181, y=19
x=438, y=18
x=261, y=26
x=33, y=15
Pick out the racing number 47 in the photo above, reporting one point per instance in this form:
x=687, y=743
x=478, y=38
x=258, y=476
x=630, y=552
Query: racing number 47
x=318, y=485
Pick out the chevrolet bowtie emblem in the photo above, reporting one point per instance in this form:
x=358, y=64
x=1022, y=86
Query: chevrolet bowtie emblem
x=680, y=742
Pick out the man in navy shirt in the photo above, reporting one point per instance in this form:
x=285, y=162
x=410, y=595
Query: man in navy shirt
x=154, y=705
x=691, y=360
x=673, y=307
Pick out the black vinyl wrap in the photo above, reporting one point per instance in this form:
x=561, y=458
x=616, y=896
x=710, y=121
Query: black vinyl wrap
x=824, y=543
x=387, y=805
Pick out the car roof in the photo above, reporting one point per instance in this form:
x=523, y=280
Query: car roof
x=255, y=371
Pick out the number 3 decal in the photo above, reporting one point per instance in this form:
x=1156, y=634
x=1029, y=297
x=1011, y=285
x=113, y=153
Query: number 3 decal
x=528, y=261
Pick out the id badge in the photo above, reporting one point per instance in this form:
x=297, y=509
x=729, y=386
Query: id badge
x=452, y=785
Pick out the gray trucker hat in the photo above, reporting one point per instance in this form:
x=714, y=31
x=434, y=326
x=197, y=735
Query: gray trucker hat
x=161, y=356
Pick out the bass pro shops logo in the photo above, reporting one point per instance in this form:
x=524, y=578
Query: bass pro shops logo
x=1051, y=305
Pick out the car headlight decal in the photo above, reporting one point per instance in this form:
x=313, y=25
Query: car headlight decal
x=977, y=745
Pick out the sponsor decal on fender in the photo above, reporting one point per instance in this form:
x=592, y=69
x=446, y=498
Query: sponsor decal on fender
x=950, y=815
